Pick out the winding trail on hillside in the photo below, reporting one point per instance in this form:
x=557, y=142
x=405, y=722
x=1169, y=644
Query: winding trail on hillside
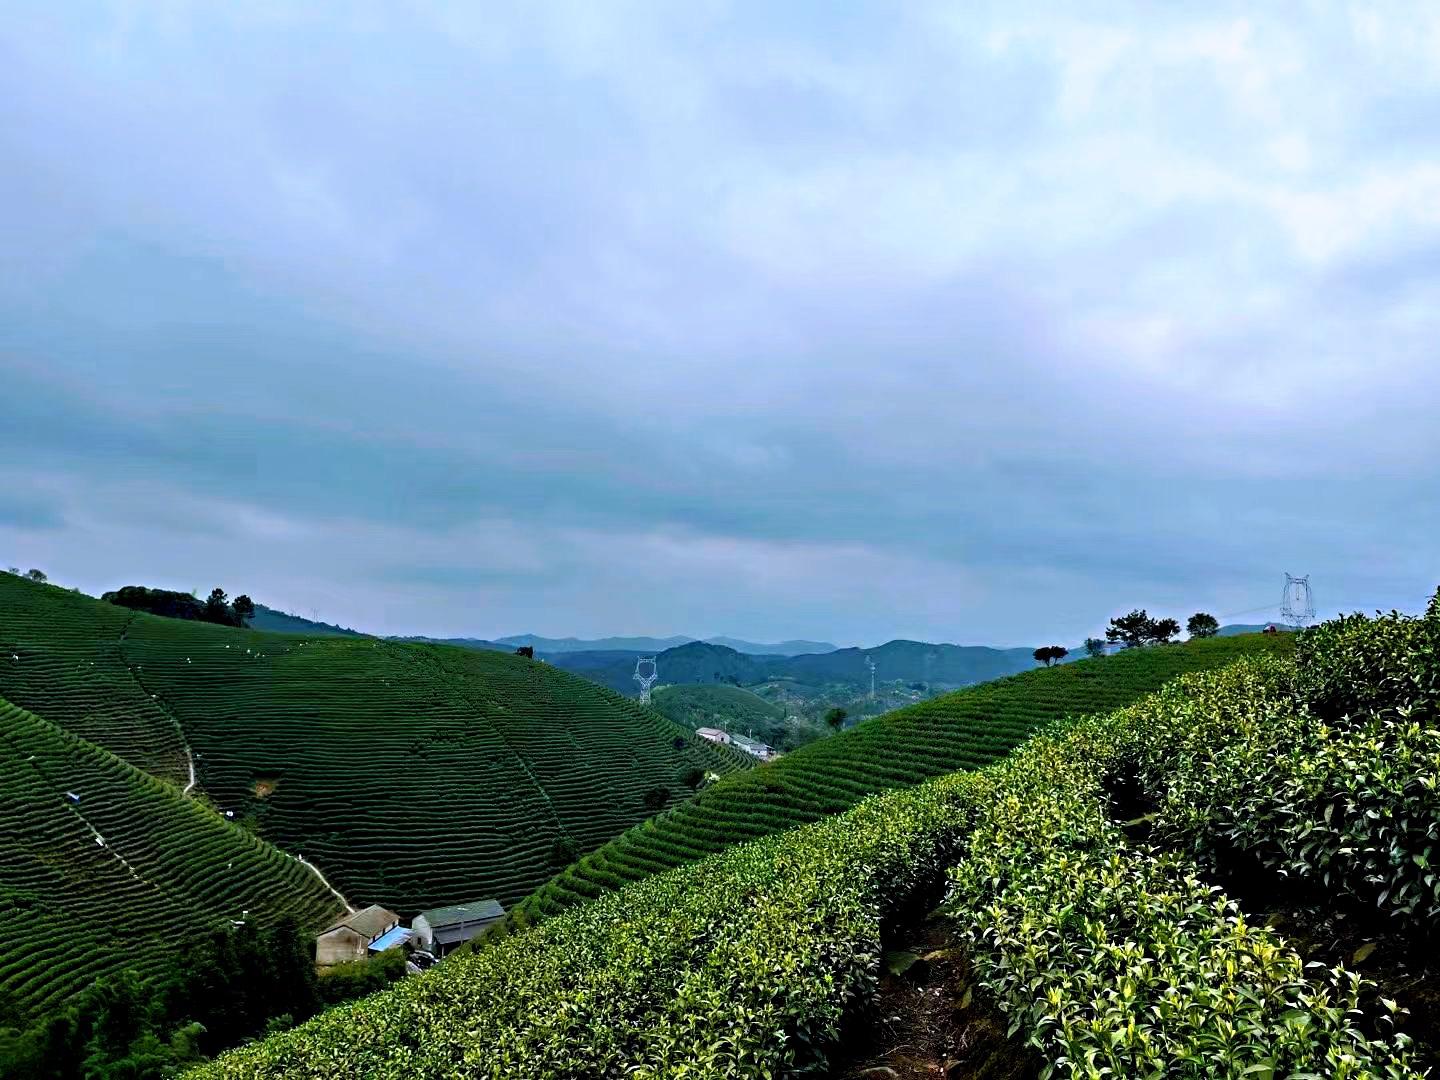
x=160, y=703
x=349, y=907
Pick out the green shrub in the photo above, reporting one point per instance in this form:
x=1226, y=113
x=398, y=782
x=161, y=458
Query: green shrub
x=1117, y=960
x=1237, y=762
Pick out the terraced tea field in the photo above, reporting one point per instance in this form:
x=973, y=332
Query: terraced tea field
x=964, y=730
x=60, y=654
x=103, y=867
x=412, y=775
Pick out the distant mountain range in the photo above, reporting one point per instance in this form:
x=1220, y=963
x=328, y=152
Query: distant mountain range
x=734, y=661
x=700, y=662
x=651, y=645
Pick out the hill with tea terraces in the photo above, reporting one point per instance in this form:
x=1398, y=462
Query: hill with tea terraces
x=104, y=867
x=412, y=775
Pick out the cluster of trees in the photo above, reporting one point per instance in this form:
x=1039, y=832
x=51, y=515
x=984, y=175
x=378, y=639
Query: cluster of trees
x=1049, y=654
x=1138, y=628
x=32, y=573
x=217, y=608
x=237, y=984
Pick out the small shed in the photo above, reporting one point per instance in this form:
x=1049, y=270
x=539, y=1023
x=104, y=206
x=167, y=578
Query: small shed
x=754, y=746
x=440, y=930
x=713, y=734
x=349, y=937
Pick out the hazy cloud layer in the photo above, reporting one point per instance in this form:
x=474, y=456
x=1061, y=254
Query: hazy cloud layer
x=954, y=322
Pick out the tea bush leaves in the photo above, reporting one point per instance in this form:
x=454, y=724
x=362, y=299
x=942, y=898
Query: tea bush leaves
x=1117, y=959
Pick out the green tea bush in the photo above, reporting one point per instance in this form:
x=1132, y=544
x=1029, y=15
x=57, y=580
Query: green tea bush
x=1357, y=664
x=1238, y=763
x=1117, y=960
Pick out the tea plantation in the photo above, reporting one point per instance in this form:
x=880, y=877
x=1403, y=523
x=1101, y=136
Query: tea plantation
x=1109, y=954
x=104, y=867
x=411, y=775
x=964, y=730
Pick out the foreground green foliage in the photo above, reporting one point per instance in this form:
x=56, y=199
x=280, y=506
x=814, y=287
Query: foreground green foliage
x=1116, y=958
x=964, y=730
x=1326, y=774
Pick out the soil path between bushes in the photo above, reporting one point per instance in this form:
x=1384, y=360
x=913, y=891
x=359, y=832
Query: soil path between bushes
x=927, y=1019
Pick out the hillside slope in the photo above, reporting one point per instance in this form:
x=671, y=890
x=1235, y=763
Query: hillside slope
x=964, y=730
x=413, y=775
x=122, y=874
x=731, y=708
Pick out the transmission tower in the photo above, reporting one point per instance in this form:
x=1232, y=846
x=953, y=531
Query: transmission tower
x=646, y=681
x=872, y=677
x=1297, y=606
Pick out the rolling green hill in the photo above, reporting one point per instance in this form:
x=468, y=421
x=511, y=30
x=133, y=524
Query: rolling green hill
x=963, y=730
x=412, y=775
x=104, y=867
x=731, y=708
x=268, y=618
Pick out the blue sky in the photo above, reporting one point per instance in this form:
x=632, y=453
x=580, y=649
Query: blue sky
x=975, y=323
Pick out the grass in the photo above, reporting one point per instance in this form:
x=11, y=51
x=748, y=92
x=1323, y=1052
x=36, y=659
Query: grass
x=964, y=730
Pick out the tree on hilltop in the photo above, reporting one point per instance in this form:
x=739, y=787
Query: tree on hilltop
x=1202, y=624
x=836, y=718
x=1131, y=630
x=244, y=608
x=1094, y=646
x=1049, y=654
x=36, y=575
x=1138, y=628
x=1162, y=630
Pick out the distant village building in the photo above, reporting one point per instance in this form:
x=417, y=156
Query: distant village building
x=351, y=937
x=754, y=747
x=713, y=734
x=441, y=930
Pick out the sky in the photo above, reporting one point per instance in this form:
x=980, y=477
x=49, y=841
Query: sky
x=955, y=322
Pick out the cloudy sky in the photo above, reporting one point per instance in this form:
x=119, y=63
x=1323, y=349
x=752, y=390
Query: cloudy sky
x=961, y=322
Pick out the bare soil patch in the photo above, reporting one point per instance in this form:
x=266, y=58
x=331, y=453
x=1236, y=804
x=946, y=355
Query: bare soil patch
x=929, y=1020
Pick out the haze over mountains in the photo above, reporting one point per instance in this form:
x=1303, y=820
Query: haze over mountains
x=653, y=644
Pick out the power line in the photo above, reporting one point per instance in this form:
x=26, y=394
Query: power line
x=1250, y=611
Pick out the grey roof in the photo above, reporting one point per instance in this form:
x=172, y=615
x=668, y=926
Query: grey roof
x=460, y=913
x=369, y=922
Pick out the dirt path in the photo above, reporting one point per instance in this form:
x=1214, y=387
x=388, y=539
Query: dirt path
x=928, y=1020
x=349, y=907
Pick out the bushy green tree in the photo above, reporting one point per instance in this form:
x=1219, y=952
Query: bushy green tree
x=1049, y=654
x=1162, y=630
x=1201, y=625
x=1094, y=646
x=1131, y=630
x=836, y=718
